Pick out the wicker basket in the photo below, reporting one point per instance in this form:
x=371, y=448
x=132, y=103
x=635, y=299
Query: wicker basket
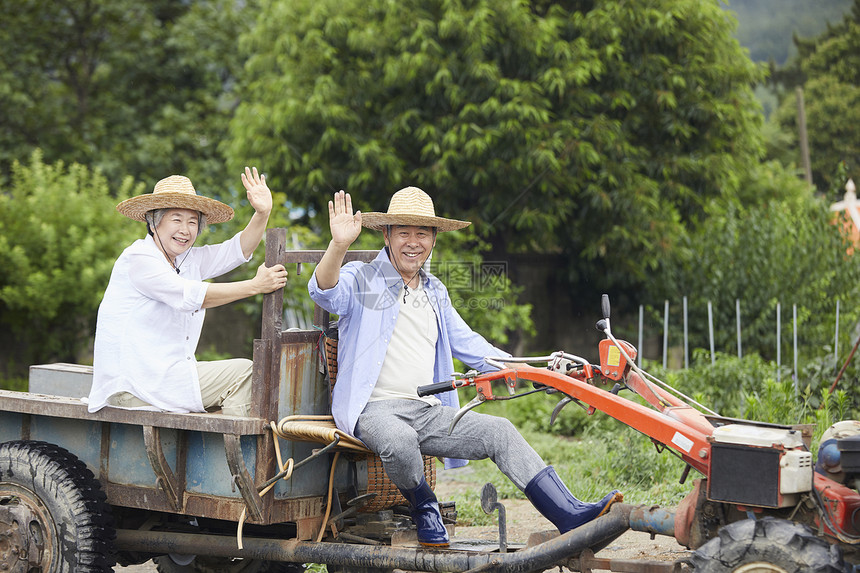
x=330, y=346
x=387, y=494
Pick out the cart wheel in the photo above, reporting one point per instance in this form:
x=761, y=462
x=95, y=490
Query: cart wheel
x=201, y=564
x=767, y=545
x=53, y=514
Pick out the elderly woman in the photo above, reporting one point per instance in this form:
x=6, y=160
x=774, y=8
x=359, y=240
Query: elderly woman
x=150, y=319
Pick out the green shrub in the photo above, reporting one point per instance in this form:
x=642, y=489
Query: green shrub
x=59, y=237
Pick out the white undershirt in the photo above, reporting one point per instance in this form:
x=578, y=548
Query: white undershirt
x=411, y=354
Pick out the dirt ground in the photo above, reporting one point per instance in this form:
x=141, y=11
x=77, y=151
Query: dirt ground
x=523, y=519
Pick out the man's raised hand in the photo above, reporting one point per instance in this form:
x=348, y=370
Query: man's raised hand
x=345, y=226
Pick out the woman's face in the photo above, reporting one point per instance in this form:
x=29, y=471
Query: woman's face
x=176, y=232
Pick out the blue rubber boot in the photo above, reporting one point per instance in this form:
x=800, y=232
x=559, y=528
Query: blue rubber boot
x=425, y=513
x=554, y=501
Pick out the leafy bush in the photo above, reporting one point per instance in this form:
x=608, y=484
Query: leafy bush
x=59, y=237
x=779, y=250
x=720, y=386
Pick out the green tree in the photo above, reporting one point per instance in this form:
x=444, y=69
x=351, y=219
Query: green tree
x=595, y=129
x=785, y=251
x=828, y=69
x=767, y=27
x=139, y=88
x=59, y=236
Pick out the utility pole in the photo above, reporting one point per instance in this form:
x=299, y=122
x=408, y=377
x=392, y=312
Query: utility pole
x=804, y=140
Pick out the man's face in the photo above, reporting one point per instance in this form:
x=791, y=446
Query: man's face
x=409, y=247
x=176, y=231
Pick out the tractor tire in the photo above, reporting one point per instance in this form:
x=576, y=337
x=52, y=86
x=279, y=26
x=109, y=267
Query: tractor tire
x=203, y=564
x=767, y=545
x=53, y=513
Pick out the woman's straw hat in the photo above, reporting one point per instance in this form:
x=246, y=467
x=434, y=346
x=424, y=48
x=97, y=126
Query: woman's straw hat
x=175, y=192
x=411, y=206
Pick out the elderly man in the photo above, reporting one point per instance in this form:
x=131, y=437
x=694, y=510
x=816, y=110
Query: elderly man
x=150, y=318
x=398, y=331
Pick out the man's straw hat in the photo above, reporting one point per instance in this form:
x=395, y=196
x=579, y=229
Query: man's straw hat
x=175, y=192
x=411, y=206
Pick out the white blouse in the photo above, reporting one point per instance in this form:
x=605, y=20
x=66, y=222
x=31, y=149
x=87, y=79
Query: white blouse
x=149, y=323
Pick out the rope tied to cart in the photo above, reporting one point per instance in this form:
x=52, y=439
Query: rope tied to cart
x=320, y=429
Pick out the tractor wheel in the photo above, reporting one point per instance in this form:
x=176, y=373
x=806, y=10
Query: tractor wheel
x=202, y=564
x=767, y=545
x=53, y=514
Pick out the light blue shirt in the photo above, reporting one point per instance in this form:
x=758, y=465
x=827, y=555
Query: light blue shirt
x=365, y=300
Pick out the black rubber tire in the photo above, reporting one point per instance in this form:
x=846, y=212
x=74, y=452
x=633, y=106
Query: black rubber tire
x=164, y=564
x=767, y=545
x=53, y=513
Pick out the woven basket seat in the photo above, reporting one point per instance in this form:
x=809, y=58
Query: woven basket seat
x=322, y=430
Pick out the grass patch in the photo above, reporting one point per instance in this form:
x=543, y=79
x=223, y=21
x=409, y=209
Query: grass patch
x=591, y=466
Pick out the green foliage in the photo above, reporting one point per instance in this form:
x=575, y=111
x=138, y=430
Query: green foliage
x=540, y=123
x=827, y=69
x=140, y=88
x=59, y=236
x=766, y=27
x=723, y=385
x=480, y=290
x=590, y=467
x=832, y=114
x=786, y=252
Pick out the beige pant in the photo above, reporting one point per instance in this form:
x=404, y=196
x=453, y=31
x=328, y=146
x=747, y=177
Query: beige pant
x=224, y=384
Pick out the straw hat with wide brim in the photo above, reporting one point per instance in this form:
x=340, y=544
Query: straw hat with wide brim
x=175, y=192
x=411, y=206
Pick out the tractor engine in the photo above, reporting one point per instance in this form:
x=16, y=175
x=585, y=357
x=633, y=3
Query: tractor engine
x=839, y=453
x=758, y=466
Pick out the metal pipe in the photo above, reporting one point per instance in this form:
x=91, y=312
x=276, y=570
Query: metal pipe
x=641, y=346
x=538, y=558
x=738, y=313
x=665, y=333
x=558, y=550
x=686, y=339
x=778, y=342
x=292, y=550
x=711, y=331
x=652, y=519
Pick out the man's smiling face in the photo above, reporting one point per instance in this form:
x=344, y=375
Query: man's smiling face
x=408, y=248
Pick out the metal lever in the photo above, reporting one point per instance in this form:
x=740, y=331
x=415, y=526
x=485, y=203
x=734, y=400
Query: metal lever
x=476, y=401
x=489, y=503
x=561, y=404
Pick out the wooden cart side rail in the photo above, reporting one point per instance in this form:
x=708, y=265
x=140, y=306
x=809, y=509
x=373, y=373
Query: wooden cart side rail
x=277, y=253
x=65, y=407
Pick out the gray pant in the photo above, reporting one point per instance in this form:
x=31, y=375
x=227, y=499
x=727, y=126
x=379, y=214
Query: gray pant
x=401, y=431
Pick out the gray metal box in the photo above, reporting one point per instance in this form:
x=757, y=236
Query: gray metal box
x=61, y=379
